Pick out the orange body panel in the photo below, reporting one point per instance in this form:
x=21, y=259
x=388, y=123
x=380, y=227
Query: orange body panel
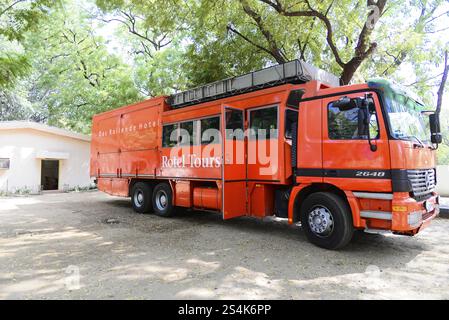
x=354, y=204
x=261, y=199
x=403, y=155
x=105, y=185
x=120, y=187
x=259, y=168
x=183, y=194
x=356, y=154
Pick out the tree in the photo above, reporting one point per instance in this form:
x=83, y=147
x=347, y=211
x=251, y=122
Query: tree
x=350, y=34
x=74, y=76
x=151, y=33
x=307, y=14
x=348, y=37
x=11, y=108
x=16, y=18
x=12, y=66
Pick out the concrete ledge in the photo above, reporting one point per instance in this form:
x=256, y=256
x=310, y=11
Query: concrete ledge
x=444, y=211
x=443, y=180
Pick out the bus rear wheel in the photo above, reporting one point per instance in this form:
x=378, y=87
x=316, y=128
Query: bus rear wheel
x=141, y=195
x=163, y=200
x=327, y=220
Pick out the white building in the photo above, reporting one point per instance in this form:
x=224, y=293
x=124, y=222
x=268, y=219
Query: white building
x=35, y=157
x=443, y=180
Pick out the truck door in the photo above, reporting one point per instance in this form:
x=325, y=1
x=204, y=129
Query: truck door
x=234, y=184
x=347, y=158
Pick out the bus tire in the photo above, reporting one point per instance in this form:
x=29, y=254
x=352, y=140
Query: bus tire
x=163, y=200
x=141, y=197
x=327, y=220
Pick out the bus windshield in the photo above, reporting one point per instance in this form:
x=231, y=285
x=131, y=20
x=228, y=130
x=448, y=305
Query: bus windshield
x=407, y=122
x=406, y=119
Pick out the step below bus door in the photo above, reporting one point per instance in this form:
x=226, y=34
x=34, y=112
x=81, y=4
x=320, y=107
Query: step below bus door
x=234, y=163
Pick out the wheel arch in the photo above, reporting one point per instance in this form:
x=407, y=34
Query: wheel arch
x=133, y=181
x=304, y=192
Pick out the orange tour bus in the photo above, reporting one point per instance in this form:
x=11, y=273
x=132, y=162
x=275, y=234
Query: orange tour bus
x=285, y=141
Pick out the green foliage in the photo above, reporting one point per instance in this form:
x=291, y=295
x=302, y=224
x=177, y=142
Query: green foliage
x=215, y=53
x=159, y=75
x=12, y=67
x=12, y=107
x=16, y=19
x=75, y=76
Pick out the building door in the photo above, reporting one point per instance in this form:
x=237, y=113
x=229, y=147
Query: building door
x=50, y=174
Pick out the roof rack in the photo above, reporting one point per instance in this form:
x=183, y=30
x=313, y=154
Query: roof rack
x=295, y=71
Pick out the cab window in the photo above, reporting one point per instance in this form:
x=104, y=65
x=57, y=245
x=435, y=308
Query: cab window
x=343, y=124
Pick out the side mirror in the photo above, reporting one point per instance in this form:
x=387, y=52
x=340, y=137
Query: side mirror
x=365, y=111
x=435, y=130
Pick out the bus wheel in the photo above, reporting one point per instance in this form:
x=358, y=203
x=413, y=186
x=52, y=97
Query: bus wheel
x=141, y=195
x=326, y=220
x=163, y=200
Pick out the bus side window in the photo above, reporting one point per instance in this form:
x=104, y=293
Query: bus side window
x=291, y=116
x=210, y=130
x=187, y=136
x=234, y=124
x=263, y=123
x=170, y=135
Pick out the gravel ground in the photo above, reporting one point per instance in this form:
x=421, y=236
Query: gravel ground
x=45, y=241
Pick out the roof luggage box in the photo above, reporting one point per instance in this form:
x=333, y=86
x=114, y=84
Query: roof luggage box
x=295, y=71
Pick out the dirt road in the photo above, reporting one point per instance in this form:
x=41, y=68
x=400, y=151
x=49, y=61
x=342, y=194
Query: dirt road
x=47, y=241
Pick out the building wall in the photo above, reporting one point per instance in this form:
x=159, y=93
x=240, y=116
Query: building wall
x=443, y=180
x=22, y=146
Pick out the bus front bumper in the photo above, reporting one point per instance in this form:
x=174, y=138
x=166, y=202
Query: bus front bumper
x=410, y=217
